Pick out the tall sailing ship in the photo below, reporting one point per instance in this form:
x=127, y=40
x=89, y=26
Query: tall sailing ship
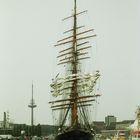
x=75, y=92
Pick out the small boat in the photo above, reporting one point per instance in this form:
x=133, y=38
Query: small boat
x=120, y=135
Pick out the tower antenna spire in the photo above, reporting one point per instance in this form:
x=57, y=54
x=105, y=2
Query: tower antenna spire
x=32, y=105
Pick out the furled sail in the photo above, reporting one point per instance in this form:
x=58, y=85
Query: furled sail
x=86, y=83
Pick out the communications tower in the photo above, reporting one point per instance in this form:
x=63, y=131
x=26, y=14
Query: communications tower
x=32, y=105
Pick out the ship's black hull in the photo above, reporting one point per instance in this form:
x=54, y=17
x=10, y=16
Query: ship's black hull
x=75, y=134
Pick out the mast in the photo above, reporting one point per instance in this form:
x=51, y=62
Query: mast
x=76, y=86
x=4, y=121
x=74, y=116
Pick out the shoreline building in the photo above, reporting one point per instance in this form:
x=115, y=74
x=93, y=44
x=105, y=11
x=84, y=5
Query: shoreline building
x=110, y=119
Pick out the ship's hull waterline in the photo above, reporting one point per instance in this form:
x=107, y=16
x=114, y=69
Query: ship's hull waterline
x=75, y=134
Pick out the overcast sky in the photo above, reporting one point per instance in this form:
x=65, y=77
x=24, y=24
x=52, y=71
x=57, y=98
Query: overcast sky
x=30, y=28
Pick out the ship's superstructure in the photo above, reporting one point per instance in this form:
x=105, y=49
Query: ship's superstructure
x=136, y=126
x=74, y=92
